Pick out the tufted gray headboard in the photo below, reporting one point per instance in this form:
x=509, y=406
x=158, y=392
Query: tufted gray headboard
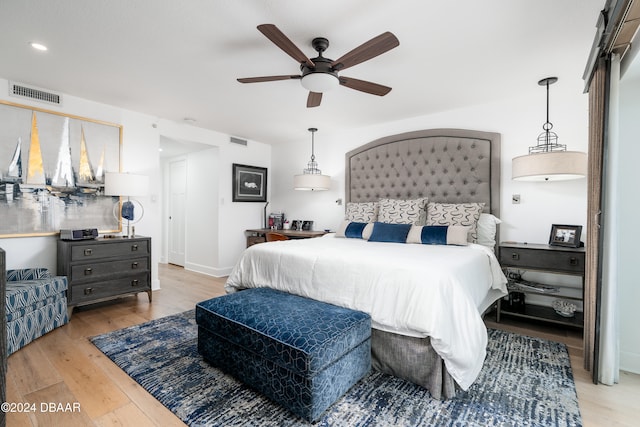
x=445, y=165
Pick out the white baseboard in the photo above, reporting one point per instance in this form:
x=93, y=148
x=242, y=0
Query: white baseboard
x=630, y=362
x=210, y=271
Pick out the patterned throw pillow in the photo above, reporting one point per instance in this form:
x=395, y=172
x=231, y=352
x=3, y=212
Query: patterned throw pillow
x=438, y=234
x=456, y=214
x=362, y=212
x=399, y=211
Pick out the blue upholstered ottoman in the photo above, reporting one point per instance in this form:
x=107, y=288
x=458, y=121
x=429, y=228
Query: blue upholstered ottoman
x=301, y=353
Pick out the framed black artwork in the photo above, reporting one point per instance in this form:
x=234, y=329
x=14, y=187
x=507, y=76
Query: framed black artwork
x=249, y=183
x=565, y=235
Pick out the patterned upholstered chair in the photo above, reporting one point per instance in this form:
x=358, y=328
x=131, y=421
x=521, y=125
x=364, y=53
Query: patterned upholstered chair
x=36, y=303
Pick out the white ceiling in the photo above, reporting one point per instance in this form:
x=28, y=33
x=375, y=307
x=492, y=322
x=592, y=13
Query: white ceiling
x=177, y=59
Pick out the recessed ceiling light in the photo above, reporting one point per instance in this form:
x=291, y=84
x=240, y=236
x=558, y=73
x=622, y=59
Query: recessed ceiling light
x=38, y=46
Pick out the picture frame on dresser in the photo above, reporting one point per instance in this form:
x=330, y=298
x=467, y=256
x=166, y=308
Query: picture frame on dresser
x=52, y=171
x=565, y=235
x=249, y=183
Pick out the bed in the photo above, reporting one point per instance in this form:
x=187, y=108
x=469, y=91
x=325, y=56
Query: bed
x=425, y=300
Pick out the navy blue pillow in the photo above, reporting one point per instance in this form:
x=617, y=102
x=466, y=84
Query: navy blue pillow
x=394, y=233
x=434, y=235
x=354, y=230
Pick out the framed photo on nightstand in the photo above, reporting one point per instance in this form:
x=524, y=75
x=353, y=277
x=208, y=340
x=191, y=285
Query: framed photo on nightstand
x=565, y=235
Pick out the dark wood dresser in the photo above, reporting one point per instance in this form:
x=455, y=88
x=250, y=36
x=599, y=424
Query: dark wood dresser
x=105, y=268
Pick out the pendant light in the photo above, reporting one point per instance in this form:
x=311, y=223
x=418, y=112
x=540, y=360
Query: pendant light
x=312, y=178
x=548, y=160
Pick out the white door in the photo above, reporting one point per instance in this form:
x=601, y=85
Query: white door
x=177, y=202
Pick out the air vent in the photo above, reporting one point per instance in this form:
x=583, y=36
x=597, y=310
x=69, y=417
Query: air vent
x=23, y=91
x=238, y=141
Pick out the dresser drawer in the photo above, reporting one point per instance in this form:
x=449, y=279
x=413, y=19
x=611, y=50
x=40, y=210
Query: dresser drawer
x=94, y=291
x=94, y=270
x=106, y=250
x=552, y=261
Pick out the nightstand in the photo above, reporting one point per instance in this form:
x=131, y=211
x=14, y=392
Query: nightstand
x=543, y=258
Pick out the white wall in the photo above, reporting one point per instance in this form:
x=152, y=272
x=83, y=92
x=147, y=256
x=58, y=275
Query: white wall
x=141, y=136
x=519, y=121
x=200, y=207
x=139, y=155
x=629, y=206
x=210, y=177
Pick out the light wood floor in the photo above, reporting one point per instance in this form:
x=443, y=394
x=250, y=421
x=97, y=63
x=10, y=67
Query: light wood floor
x=63, y=367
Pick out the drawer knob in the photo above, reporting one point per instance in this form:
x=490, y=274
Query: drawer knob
x=88, y=291
x=515, y=255
x=573, y=261
x=88, y=271
x=134, y=248
x=88, y=252
x=134, y=265
x=135, y=282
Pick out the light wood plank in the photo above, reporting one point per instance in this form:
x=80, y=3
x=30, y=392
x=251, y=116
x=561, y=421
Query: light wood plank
x=15, y=419
x=91, y=387
x=56, y=405
x=31, y=369
x=123, y=416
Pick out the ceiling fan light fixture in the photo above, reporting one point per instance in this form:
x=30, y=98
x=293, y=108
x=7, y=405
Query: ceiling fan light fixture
x=319, y=82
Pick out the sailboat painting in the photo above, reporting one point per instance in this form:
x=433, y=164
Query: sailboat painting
x=47, y=179
x=35, y=179
x=63, y=180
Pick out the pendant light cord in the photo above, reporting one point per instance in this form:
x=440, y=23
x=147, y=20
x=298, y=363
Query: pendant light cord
x=313, y=131
x=548, y=125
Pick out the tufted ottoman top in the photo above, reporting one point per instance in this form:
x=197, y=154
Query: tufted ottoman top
x=296, y=333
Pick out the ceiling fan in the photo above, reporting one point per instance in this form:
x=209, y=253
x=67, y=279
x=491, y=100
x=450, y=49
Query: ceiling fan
x=321, y=74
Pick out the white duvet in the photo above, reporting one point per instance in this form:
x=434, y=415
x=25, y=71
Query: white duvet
x=409, y=289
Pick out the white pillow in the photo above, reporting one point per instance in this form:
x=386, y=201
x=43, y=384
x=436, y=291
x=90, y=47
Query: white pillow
x=487, y=225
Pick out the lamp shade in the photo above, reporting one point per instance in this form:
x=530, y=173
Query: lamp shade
x=311, y=182
x=549, y=166
x=125, y=184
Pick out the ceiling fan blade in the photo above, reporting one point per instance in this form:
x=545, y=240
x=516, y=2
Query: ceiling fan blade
x=374, y=47
x=279, y=39
x=364, y=86
x=313, y=100
x=267, y=79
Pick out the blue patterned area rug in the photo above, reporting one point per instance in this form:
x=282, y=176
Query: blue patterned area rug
x=525, y=382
